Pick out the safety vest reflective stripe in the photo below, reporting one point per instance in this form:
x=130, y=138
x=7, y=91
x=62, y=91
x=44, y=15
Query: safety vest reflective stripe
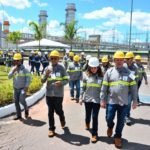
x=92, y=85
x=58, y=78
x=119, y=83
x=73, y=70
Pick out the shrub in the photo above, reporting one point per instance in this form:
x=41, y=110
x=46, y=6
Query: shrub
x=6, y=90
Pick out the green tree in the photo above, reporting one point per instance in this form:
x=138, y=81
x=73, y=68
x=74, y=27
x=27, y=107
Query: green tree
x=14, y=37
x=38, y=31
x=71, y=30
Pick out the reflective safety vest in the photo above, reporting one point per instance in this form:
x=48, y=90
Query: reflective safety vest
x=21, y=78
x=91, y=88
x=116, y=86
x=58, y=74
x=74, y=71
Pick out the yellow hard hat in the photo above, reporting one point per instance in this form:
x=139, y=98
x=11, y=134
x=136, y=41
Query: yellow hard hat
x=129, y=55
x=76, y=58
x=137, y=57
x=17, y=56
x=119, y=54
x=104, y=59
x=1, y=52
x=71, y=54
x=54, y=53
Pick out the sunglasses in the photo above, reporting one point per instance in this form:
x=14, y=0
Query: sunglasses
x=53, y=58
x=16, y=60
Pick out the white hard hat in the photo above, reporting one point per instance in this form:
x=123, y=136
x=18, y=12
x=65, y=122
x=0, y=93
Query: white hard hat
x=39, y=53
x=45, y=53
x=32, y=52
x=93, y=62
x=82, y=53
x=88, y=57
x=67, y=50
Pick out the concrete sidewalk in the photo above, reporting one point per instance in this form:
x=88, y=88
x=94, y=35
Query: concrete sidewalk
x=31, y=134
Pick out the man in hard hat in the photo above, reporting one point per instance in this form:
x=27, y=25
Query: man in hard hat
x=56, y=77
x=85, y=67
x=133, y=70
x=66, y=59
x=44, y=61
x=32, y=61
x=117, y=83
x=105, y=64
x=21, y=80
x=141, y=72
x=82, y=59
x=75, y=75
x=38, y=62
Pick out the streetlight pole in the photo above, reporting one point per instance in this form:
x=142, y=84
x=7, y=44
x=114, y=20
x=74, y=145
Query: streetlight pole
x=130, y=25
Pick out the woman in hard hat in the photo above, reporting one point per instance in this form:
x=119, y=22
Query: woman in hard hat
x=105, y=64
x=90, y=95
x=75, y=75
x=141, y=72
x=56, y=77
x=21, y=81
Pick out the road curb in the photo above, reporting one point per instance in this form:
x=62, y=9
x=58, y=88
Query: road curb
x=9, y=109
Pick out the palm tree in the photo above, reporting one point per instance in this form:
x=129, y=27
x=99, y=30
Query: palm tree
x=14, y=37
x=70, y=32
x=38, y=31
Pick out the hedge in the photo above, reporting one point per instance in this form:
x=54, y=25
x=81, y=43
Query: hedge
x=6, y=87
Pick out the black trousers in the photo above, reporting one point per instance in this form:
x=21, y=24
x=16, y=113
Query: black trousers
x=54, y=105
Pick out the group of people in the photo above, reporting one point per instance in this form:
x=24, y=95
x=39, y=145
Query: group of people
x=103, y=86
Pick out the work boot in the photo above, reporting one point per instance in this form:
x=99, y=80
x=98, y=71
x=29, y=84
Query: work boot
x=72, y=98
x=128, y=121
x=17, y=118
x=94, y=139
x=63, y=123
x=77, y=100
x=118, y=143
x=26, y=114
x=87, y=126
x=51, y=133
x=109, y=132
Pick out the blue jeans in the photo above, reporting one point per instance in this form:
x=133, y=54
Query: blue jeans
x=129, y=106
x=92, y=109
x=110, y=115
x=72, y=84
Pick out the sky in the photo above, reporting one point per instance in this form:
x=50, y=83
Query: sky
x=109, y=18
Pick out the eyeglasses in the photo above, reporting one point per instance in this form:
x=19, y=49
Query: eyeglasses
x=53, y=58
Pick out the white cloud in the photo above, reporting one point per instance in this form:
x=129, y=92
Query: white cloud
x=19, y=4
x=13, y=20
x=140, y=20
x=54, y=28
x=40, y=4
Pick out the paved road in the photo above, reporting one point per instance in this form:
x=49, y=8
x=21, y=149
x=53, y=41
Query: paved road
x=31, y=134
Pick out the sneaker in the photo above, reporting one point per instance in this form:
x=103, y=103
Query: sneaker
x=109, y=132
x=63, y=123
x=17, y=118
x=51, y=133
x=87, y=126
x=118, y=143
x=128, y=121
x=26, y=114
x=94, y=139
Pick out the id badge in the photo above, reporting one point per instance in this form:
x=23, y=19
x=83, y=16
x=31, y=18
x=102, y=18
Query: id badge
x=57, y=74
x=53, y=76
x=99, y=81
x=132, y=76
x=125, y=78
